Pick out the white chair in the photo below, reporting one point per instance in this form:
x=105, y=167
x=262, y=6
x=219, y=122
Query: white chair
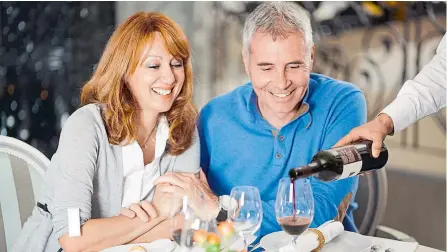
x=371, y=197
x=22, y=170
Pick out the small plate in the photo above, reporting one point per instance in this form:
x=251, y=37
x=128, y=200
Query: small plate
x=274, y=241
x=162, y=245
x=347, y=241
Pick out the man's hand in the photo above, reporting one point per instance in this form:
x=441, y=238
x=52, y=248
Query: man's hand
x=200, y=197
x=375, y=130
x=166, y=204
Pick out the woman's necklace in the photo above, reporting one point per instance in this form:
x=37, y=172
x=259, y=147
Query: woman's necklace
x=144, y=146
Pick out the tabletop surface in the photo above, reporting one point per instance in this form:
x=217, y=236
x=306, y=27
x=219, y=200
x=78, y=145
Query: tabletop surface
x=382, y=242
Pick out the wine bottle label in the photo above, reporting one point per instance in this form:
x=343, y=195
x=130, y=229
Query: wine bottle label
x=352, y=161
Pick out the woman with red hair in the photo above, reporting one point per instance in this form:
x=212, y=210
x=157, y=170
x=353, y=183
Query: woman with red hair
x=136, y=123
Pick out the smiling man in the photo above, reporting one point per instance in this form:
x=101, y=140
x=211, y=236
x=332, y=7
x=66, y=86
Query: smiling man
x=256, y=133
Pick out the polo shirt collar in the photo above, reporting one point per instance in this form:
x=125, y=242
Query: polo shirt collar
x=303, y=113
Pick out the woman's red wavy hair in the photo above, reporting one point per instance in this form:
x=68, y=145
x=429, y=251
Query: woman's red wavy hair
x=119, y=60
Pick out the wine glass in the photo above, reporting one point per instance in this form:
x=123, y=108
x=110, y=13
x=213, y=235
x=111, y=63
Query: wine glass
x=178, y=216
x=245, y=211
x=185, y=223
x=294, y=206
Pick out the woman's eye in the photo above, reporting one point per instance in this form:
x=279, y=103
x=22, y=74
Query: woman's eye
x=153, y=66
x=177, y=65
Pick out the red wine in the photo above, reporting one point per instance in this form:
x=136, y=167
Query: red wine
x=292, y=184
x=294, y=225
x=342, y=162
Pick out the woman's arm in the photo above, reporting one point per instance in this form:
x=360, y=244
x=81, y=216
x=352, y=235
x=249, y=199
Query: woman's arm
x=97, y=234
x=161, y=231
x=73, y=170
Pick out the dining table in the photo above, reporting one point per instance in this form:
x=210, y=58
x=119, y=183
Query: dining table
x=419, y=247
x=380, y=244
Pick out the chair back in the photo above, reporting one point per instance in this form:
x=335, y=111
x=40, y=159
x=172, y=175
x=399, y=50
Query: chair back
x=22, y=170
x=371, y=198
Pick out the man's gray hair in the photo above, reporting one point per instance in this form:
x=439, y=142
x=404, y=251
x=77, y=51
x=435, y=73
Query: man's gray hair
x=278, y=19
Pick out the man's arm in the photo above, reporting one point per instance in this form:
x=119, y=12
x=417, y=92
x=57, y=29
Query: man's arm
x=204, y=151
x=422, y=96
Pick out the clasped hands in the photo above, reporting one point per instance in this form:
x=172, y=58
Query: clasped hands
x=170, y=189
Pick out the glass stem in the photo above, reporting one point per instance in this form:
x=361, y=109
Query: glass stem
x=245, y=244
x=244, y=239
x=294, y=240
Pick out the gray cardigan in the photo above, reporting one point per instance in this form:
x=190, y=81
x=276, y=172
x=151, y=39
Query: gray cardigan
x=86, y=172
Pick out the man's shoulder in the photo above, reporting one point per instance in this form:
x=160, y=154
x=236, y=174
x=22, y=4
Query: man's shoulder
x=229, y=102
x=325, y=91
x=325, y=84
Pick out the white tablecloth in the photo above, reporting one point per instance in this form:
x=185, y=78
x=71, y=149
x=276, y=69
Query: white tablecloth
x=386, y=243
x=394, y=244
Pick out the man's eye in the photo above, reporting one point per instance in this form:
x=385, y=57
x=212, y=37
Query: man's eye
x=266, y=68
x=294, y=66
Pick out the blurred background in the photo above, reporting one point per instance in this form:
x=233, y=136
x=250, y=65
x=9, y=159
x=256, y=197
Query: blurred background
x=49, y=49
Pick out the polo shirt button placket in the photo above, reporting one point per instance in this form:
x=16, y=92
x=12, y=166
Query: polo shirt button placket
x=281, y=138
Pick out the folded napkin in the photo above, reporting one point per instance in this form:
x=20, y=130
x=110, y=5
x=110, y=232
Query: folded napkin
x=309, y=240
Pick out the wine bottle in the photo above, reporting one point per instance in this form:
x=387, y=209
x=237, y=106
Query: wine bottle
x=342, y=162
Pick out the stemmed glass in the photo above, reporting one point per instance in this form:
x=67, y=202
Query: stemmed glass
x=294, y=206
x=185, y=223
x=179, y=217
x=245, y=211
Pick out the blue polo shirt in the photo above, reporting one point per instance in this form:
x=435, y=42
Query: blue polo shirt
x=239, y=147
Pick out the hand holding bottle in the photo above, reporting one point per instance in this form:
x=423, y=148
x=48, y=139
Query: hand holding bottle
x=342, y=162
x=375, y=130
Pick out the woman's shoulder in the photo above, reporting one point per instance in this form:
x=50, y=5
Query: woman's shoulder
x=85, y=119
x=87, y=114
x=189, y=160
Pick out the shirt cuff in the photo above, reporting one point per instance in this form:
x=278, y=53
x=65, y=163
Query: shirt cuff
x=398, y=111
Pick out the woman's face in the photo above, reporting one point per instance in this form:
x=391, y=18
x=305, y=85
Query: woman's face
x=158, y=79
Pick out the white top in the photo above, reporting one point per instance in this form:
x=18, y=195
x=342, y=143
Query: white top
x=422, y=96
x=139, y=179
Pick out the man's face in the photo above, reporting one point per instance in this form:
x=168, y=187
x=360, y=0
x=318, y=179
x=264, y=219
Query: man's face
x=279, y=71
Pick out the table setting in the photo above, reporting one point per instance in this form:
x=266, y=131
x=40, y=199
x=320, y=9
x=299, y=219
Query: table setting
x=294, y=210
x=271, y=242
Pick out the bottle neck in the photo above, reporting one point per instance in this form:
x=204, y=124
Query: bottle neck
x=308, y=170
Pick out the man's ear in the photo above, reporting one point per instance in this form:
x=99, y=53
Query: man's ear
x=312, y=57
x=246, y=60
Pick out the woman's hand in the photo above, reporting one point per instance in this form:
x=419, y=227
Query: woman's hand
x=143, y=210
x=200, y=197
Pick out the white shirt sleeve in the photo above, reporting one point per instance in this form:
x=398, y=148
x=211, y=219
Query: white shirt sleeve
x=422, y=96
